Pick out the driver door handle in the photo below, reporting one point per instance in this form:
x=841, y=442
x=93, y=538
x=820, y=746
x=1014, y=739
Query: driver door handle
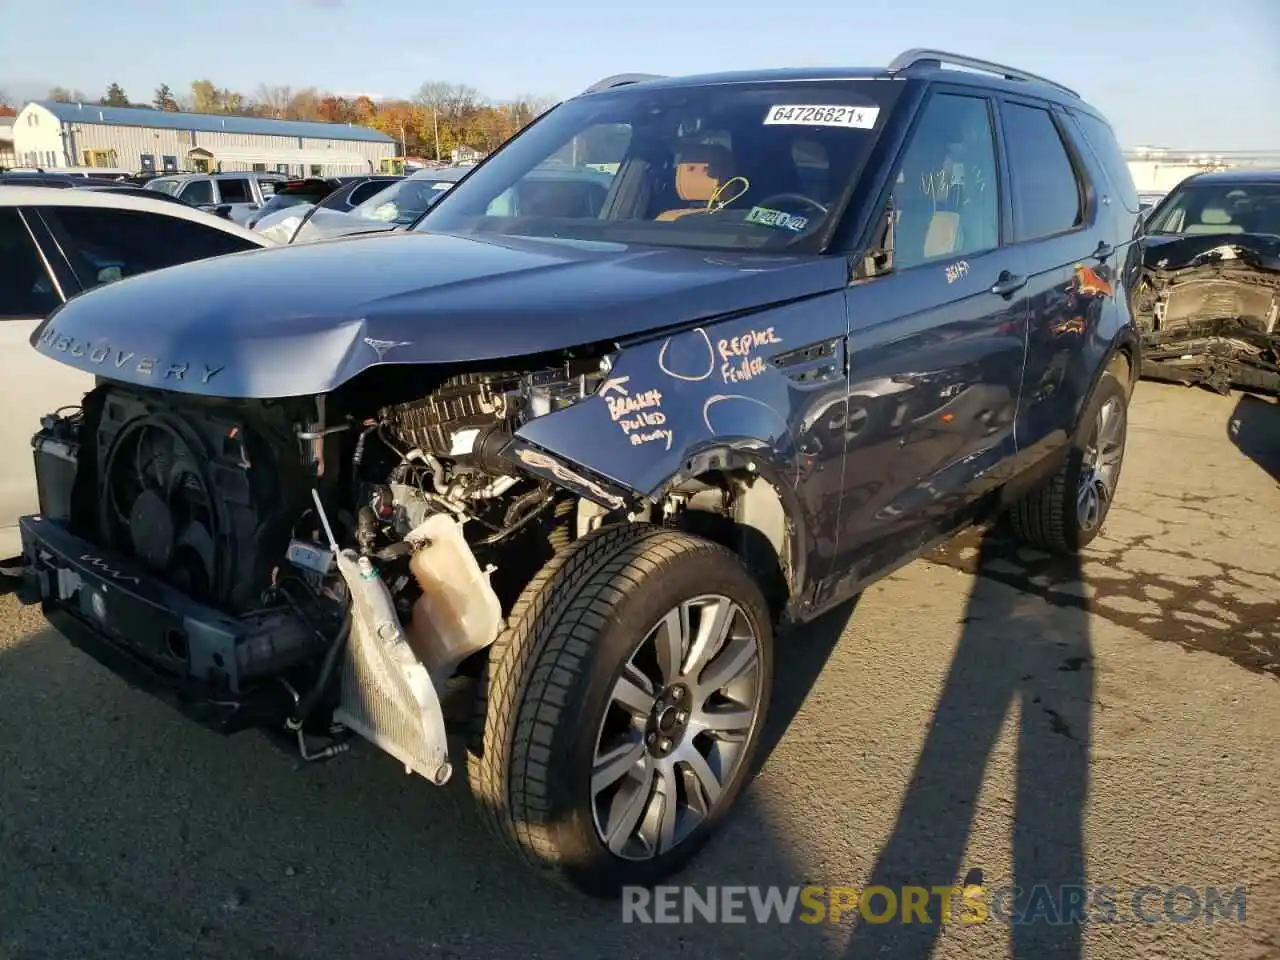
x=1008, y=284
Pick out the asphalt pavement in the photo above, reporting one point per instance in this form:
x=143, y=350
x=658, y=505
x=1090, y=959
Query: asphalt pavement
x=1112, y=721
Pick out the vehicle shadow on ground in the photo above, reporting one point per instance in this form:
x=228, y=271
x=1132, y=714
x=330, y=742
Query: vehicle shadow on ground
x=129, y=831
x=1017, y=652
x=1254, y=428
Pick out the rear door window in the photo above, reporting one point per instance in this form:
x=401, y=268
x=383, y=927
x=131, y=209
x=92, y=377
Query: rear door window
x=235, y=190
x=26, y=289
x=108, y=245
x=1047, y=198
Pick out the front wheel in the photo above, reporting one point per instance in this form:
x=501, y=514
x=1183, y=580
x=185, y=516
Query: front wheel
x=623, y=707
x=1067, y=512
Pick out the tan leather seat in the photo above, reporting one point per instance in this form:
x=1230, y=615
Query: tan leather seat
x=1214, y=220
x=943, y=236
x=700, y=171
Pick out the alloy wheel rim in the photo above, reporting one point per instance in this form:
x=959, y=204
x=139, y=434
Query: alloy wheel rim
x=1100, y=468
x=676, y=729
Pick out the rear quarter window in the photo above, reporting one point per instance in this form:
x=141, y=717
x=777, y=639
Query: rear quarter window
x=1102, y=143
x=107, y=244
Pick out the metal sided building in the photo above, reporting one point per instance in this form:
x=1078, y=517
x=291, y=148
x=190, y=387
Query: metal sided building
x=52, y=134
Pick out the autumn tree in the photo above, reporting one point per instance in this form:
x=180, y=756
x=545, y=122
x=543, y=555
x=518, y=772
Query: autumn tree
x=164, y=99
x=274, y=101
x=115, y=97
x=63, y=95
x=333, y=109
x=205, y=97
x=439, y=118
x=363, y=110
x=304, y=104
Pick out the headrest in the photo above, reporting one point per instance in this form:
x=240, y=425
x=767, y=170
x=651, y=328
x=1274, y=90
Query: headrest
x=1214, y=215
x=700, y=169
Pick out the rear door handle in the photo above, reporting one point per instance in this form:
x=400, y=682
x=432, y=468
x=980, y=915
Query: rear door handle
x=1008, y=284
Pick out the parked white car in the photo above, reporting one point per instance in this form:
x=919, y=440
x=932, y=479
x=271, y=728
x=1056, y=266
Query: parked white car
x=60, y=243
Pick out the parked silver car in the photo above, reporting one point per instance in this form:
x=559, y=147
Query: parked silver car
x=233, y=195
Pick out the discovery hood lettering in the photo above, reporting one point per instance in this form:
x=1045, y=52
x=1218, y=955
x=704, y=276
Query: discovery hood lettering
x=296, y=321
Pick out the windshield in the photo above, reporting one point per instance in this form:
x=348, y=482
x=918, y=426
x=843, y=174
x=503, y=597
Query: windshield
x=721, y=166
x=404, y=201
x=163, y=186
x=1220, y=208
x=282, y=200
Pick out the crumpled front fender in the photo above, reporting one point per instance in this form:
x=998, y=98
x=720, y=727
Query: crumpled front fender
x=671, y=406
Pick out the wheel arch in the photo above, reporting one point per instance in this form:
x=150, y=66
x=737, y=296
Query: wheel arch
x=1123, y=356
x=740, y=498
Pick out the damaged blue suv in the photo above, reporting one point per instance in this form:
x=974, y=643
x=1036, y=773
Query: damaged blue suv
x=573, y=448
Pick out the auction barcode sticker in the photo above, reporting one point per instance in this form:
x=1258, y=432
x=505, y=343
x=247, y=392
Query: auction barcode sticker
x=823, y=115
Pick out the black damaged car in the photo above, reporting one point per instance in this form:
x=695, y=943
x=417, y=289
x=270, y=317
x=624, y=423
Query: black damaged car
x=1208, y=297
x=575, y=456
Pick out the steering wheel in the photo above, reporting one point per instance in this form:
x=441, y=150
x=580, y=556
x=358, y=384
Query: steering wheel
x=794, y=197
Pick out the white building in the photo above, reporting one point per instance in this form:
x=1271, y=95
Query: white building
x=51, y=134
x=8, y=156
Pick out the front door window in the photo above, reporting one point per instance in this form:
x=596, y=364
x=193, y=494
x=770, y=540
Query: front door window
x=945, y=203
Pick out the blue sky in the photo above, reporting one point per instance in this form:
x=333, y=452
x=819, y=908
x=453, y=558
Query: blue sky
x=1181, y=73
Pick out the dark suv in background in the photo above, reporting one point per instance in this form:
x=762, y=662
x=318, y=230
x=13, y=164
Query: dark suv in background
x=585, y=452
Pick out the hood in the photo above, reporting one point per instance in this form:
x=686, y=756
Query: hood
x=1179, y=251
x=300, y=320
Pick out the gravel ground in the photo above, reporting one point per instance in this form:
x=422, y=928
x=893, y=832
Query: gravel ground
x=1110, y=721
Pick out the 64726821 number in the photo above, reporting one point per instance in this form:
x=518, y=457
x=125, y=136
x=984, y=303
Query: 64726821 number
x=823, y=115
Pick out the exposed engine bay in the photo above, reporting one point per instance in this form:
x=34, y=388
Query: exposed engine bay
x=1209, y=310
x=295, y=518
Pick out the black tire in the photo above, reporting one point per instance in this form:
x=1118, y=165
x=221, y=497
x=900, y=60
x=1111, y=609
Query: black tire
x=548, y=683
x=1047, y=517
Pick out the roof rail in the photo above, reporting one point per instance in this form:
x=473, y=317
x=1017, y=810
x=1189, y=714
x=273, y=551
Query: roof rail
x=921, y=57
x=621, y=80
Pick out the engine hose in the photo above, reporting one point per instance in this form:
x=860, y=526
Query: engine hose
x=519, y=524
x=359, y=452
x=308, y=704
x=513, y=514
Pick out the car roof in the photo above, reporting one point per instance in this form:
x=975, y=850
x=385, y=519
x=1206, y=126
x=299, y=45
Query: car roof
x=1238, y=175
x=260, y=174
x=916, y=64
x=119, y=200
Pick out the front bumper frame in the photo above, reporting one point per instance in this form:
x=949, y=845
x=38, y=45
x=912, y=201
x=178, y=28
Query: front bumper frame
x=140, y=628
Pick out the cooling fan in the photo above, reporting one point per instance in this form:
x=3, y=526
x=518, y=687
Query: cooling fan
x=158, y=508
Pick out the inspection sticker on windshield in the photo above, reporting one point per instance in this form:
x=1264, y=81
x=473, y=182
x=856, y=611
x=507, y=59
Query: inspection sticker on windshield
x=823, y=115
x=777, y=218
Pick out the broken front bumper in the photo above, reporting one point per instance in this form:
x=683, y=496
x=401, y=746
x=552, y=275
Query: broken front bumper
x=214, y=668
x=1219, y=354
x=225, y=671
